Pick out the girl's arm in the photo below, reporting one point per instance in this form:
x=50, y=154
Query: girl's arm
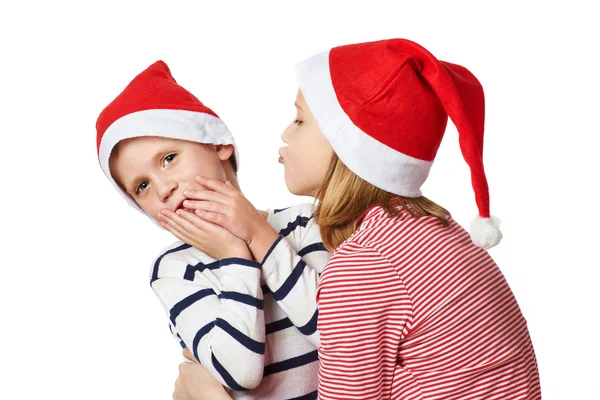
x=195, y=383
x=364, y=311
x=224, y=328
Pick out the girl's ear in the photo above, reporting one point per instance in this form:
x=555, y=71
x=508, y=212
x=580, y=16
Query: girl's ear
x=224, y=151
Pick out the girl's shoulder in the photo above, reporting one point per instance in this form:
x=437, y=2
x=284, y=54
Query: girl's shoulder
x=379, y=228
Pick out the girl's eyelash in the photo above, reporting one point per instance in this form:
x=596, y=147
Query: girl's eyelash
x=298, y=122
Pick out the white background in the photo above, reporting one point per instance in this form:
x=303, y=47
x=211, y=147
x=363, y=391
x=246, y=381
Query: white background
x=78, y=317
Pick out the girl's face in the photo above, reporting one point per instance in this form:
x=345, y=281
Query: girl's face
x=155, y=171
x=307, y=155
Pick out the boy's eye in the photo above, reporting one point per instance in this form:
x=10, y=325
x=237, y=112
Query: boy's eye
x=168, y=158
x=141, y=187
x=298, y=122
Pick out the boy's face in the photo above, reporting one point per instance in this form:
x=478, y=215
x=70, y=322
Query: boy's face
x=155, y=171
x=307, y=155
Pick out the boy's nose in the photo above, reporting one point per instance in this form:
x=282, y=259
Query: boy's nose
x=166, y=190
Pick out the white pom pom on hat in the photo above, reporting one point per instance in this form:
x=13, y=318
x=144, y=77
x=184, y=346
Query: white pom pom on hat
x=485, y=232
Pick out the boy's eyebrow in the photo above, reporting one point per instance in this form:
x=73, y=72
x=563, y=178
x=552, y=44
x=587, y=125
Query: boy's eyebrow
x=132, y=183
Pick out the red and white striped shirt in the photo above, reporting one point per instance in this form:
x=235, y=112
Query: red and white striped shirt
x=409, y=309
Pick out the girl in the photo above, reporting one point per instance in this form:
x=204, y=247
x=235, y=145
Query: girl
x=410, y=305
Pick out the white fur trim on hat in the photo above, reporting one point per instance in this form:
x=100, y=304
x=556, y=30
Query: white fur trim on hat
x=391, y=171
x=175, y=124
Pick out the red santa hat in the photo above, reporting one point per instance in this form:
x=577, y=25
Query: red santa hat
x=153, y=104
x=383, y=106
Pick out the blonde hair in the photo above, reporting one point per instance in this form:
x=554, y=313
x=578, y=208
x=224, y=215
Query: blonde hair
x=344, y=197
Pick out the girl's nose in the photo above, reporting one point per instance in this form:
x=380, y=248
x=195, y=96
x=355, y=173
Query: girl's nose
x=284, y=136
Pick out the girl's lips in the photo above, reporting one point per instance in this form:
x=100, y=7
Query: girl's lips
x=280, y=160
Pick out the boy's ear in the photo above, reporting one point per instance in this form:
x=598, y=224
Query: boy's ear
x=224, y=151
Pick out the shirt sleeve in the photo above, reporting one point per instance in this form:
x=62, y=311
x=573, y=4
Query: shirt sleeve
x=287, y=275
x=363, y=312
x=221, y=323
x=176, y=335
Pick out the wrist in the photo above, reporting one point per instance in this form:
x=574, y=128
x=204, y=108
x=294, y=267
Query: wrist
x=255, y=226
x=219, y=394
x=261, y=242
x=238, y=252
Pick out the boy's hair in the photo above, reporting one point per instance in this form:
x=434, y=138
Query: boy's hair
x=338, y=213
x=117, y=148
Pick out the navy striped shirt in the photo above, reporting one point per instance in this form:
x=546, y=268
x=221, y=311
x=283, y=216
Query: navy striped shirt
x=252, y=326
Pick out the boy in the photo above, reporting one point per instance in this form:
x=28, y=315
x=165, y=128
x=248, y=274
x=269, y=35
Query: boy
x=153, y=140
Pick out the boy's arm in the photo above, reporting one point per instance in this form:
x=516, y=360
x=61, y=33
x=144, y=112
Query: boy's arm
x=284, y=256
x=176, y=335
x=224, y=329
x=292, y=282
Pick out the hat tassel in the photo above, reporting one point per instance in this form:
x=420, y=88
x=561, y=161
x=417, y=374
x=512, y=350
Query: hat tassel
x=485, y=232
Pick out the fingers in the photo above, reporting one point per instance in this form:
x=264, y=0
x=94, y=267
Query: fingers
x=197, y=221
x=184, y=367
x=208, y=195
x=216, y=185
x=180, y=392
x=178, y=226
x=207, y=206
x=189, y=356
x=211, y=217
x=176, y=233
x=185, y=222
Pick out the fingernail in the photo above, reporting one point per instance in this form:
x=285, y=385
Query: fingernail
x=187, y=203
x=163, y=212
x=186, y=193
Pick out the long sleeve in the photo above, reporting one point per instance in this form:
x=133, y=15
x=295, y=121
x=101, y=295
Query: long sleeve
x=291, y=271
x=176, y=335
x=363, y=313
x=218, y=315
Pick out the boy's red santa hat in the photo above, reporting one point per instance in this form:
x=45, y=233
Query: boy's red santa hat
x=383, y=106
x=154, y=104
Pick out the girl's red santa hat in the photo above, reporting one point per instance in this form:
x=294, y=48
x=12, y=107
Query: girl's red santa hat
x=383, y=106
x=154, y=104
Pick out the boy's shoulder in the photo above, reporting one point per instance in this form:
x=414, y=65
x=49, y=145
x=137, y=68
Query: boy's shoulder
x=174, y=260
x=296, y=224
x=282, y=216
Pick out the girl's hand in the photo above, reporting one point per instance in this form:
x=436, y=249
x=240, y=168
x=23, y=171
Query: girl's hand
x=207, y=237
x=226, y=206
x=195, y=383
